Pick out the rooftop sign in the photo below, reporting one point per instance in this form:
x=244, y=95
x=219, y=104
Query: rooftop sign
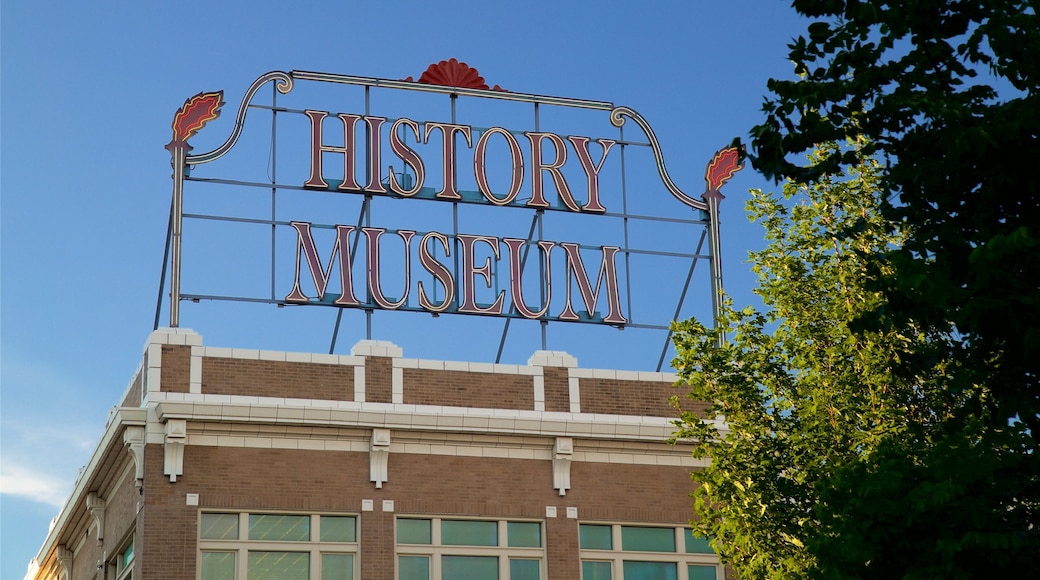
x=449, y=164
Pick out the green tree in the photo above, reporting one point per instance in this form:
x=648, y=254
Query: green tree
x=803, y=398
x=947, y=92
x=943, y=479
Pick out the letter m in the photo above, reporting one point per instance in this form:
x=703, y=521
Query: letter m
x=590, y=293
x=305, y=248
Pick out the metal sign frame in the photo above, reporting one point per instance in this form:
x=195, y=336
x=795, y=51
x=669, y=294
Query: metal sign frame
x=453, y=79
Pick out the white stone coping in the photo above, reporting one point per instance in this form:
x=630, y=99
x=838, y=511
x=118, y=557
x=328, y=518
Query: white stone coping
x=273, y=410
x=383, y=348
x=552, y=358
x=376, y=348
x=470, y=367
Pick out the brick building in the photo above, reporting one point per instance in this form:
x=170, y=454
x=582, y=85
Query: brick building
x=223, y=464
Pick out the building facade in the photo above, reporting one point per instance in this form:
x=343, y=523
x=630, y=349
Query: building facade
x=231, y=464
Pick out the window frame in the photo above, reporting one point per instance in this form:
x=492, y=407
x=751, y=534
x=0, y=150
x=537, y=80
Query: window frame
x=616, y=556
x=119, y=567
x=242, y=545
x=436, y=549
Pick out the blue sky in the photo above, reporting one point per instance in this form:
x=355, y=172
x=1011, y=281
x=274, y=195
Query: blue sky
x=88, y=94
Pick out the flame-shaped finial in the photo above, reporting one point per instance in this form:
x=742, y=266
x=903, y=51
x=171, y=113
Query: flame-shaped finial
x=724, y=165
x=195, y=113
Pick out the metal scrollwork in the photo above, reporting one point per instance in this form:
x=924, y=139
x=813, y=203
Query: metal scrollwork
x=617, y=118
x=284, y=86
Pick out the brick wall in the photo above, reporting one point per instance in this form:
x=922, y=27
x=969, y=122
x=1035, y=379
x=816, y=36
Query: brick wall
x=133, y=394
x=378, y=379
x=176, y=363
x=167, y=528
x=623, y=397
x=557, y=389
x=468, y=389
x=120, y=513
x=301, y=481
x=261, y=378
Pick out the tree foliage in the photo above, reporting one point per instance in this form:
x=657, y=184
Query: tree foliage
x=801, y=395
x=947, y=92
x=884, y=414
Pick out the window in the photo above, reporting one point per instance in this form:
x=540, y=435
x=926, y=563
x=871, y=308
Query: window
x=122, y=566
x=435, y=548
x=275, y=546
x=621, y=552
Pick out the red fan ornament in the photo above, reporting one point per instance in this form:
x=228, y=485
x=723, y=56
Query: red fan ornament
x=195, y=113
x=724, y=165
x=452, y=73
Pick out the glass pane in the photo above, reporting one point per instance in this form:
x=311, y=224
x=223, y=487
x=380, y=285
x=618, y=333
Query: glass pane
x=525, y=534
x=595, y=570
x=595, y=537
x=337, y=566
x=650, y=570
x=279, y=528
x=696, y=545
x=469, y=567
x=523, y=570
x=648, y=539
x=279, y=566
x=701, y=572
x=219, y=527
x=469, y=533
x=413, y=532
x=413, y=567
x=218, y=566
x=128, y=556
x=338, y=528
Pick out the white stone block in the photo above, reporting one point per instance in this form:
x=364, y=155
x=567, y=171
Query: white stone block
x=554, y=358
x=272, y=355
x=208, y=440
x=325, y=359
x=432, y=365
x=219, y=352
x=154, y=356
x=285, y=443
x=376, y=348
x=229, y=441
x=406, y=363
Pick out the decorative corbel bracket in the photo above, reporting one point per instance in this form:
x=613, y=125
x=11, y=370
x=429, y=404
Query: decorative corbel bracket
x=96, y=507
x=65, y=560
x=173, y=448
x=562, y=453
x=379, y=456
x=133, y=440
